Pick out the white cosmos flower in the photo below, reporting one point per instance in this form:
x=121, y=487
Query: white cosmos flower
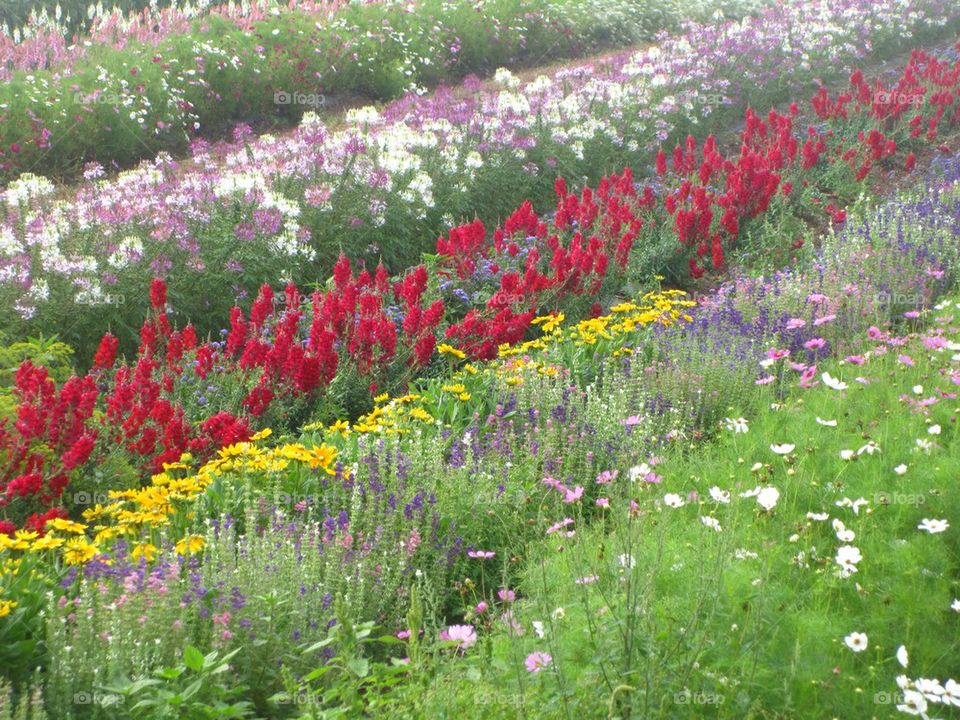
x=711, y=522
x=933, y=526
x=918, y=389
x=852, y=504
x=819, y=517
x=931, y=688
x=900, y=469
x=902, y=657
x=843, y=534
x=951, y=693
x=559, y=613
x=913, y=703
x=870, y=448
x=832, y=382
x=767, y=498
x=627, y=561
x=720, y=496
x=672, y=500
x=847, y=558
x=847, y=454
x=737, y=425
x=782, y=449
x=538, y=628
x=924, y=445
x=955, y=605
x=856, y=641
x=638, y=472
x=826, y=423
x=933, y=430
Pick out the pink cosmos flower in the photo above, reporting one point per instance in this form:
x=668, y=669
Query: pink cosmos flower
x=537, y=661
x=855, y=359
x=603, y=502
x=795, y=323
x=463, y=635
x=817, y=298
x=815, y=343
x=765, y=380
x=573, y=495
x=481, y=554
x=506, y=595
x=632, y=420
x=481, y=607
x=824, y=320
x=905, y=359
x=560, y=525
x=607, y=476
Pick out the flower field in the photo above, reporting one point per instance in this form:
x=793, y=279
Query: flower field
x=623, y=388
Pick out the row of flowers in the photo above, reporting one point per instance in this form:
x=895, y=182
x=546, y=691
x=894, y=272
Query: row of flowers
x=322, y=357
x=153, y=82
x=184, y=559
x=386, y=182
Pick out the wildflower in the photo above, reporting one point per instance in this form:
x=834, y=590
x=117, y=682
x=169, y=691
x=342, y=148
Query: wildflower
x=832, y=382
x=446, y=349
x=900, y=469
x=559, y=613
x=856, y=641
x=673, y=500
x=783, y=449
x=481, y=554
x=78, y=551
x=902, y=657
x=463, y=635
x=506, y=595
x=847, y=454
x=588, y=580
x=603, y=502
x=537, y=661
x=768, y=497
x=711, y=523
x=738, y=425
x=933, y=526
x=190, y=545
x=847, y=558
x=913, y=703
x=538, y=628
x=627, y=561
x=6, y=606
x=720, y=496
x=826, y=423
x=843, y=534
x=571, y=496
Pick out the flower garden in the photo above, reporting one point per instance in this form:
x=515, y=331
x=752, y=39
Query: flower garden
x=607, y=366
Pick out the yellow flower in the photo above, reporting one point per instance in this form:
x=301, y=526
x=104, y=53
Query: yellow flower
x=341, y=426
x=145, y=550
x=310, y=427
x=455, y=389
x=6, y=606
x=419, y=413
x=464, y=396
x=66, y=526
x=381, y=398
x=470, y=369
x=48, y=542
x=550, y=322
x=78, y=551
x=262, y=435
x=445, y=349
x=94, y=513
x=190, y=545
x=514, y=380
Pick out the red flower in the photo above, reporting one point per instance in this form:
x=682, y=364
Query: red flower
x=106, y=353
x=158, y=294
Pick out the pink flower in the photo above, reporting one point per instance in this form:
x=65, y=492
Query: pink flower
x=775, y=354
x=481, y=554
x=603, y=502
x=824, y=320
x=481, y=607
x=588, y=580
x=905, y=359
x=795, y=323
x=537, y=661
x=463, y=635
x=632, y=420
x=403, y=634
x=506, y=595
x=573, y=495
x=607, y=477
x=815, y=343
x=874, y=333
x=765, y=380
x=554, y=483
x=558, y=526
x=817, y=298
x=911, y=314
x=855, y=359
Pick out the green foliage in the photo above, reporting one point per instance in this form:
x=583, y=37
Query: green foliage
x=27, y=705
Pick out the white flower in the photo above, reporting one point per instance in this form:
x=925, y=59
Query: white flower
x=819, y=517
x=843, y=534
x=720, y=496
x=933, y=526
x=913, y=703
x=783, y=449
x=627, y=561
x=902, y=656
x=852, y=504
x=744, y=554
x=672, y=500
x=951, y=693
x=918, y=389
x=847, y=454
x=856, y=641
x=933, y=430
x=639, y=472
x=870, y=448
x=924, y=445
x=538, y=628
x=738, y=425
x=559, y=613
x=847, y=558
x=955, y=605
x=832, y=382
x=826, y=423
x=900, y=469
x=768, y=497
x=711, y=522
x=932, y=689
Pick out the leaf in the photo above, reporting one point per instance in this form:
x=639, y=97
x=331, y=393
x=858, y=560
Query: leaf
x=193, y=658
x=359, y=666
